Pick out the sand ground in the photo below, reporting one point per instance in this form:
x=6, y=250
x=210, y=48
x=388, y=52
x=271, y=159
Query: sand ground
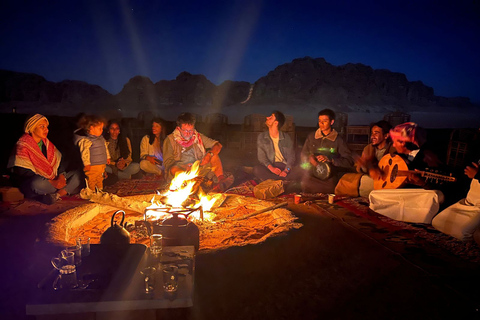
x=328, y=269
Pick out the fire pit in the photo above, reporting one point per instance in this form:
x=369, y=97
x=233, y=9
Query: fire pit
x=184, y=214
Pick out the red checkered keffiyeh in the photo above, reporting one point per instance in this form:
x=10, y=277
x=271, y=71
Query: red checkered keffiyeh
x=28, y=155
x=195, y=139
x=405, y=132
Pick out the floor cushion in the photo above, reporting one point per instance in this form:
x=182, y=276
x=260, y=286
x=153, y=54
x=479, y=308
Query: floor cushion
x=461, y=219
x=408, y=205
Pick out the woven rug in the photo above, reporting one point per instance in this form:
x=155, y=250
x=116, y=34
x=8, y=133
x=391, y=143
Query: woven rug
x=134, y=187
x=411, y=234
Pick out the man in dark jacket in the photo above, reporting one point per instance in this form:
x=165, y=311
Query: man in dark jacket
x=324, y=150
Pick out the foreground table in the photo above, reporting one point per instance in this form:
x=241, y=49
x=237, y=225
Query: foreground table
x=116, y=284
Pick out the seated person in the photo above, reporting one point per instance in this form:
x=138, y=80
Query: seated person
x=185, y=145
x=120, y=149
x=38, y=168
x=151, y=155
x=461, y=218
x=409, y=141
x=326, y=147
x=380, y=144
x=473, y=196
x=275, y=151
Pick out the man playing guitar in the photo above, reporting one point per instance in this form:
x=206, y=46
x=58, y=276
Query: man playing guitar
x=409, y=141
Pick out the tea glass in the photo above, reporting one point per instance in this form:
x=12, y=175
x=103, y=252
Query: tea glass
x=149, y=279
x=77, y=250
x=156, y=246
x=67, y=278
x=68, y=256
x=170, y=278
x=84, y=242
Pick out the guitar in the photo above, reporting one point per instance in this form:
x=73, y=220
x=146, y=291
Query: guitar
x=395, y=172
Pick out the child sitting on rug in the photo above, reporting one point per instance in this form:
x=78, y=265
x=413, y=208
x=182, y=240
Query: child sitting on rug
x=93, y=149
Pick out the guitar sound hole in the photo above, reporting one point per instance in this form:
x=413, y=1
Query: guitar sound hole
x=393, y=176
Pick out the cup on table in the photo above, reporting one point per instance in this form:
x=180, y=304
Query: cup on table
x=84, y=242
x=156, y=245
x=170, y=278
x=297, y=198
x=77, y=251
x=149, y=279
x=67, y=279
x=331, y=198
x=68, y=256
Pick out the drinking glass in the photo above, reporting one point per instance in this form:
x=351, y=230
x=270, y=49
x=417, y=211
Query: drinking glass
x=67, y=278
x=149, y=279
x=77, y=250
x=68, y=256
x=170, y=278
x=84, y=242
x=156, y=244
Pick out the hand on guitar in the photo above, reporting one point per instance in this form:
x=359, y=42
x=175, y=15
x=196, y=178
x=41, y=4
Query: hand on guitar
x=395, y=173
x=471, y=171
x=376, y=173
x=415, y=179
x=365, y=164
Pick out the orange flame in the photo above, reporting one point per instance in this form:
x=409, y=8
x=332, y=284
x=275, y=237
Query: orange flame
x=179, y=191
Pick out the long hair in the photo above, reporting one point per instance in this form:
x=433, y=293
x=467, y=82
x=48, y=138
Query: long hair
x=122, y=139
x=151, y=136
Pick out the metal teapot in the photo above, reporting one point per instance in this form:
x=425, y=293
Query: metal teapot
x=116, y=234
x=178, y=231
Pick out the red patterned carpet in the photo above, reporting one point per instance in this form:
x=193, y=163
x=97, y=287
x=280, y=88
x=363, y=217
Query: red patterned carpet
x=134, y=187
x=411, y=234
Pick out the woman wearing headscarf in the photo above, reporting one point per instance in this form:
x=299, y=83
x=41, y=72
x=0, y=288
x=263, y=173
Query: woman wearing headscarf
x=120, y=149
x=37, y=166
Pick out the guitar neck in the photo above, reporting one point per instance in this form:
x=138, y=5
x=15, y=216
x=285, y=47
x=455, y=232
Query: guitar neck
x=426, y=174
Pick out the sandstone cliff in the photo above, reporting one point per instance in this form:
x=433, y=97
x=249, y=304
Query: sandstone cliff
x=302, y=85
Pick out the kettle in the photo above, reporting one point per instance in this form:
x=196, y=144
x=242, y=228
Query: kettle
x=178, y=231
x=116, y=234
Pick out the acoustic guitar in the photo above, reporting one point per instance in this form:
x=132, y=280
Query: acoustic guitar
x=395, y=171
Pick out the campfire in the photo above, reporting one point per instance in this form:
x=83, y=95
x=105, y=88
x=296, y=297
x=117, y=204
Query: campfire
x=185, y=196
x=185, y=210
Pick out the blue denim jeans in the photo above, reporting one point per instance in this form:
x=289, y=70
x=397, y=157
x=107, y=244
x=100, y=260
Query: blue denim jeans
x=38, y=185
x=126, y=173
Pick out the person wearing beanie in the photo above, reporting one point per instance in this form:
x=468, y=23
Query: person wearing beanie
x=37, y=166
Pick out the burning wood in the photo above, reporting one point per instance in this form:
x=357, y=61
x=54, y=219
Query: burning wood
x=184, y=192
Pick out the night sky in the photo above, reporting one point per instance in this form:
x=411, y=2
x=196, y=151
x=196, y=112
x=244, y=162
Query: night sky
x=108, y=42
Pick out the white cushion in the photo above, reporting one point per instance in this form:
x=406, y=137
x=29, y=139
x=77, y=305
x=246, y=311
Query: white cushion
x=409, y=205
x=366, y=186
x=461, y=219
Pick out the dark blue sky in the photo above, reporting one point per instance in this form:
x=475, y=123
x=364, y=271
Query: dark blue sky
x=109, y=42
